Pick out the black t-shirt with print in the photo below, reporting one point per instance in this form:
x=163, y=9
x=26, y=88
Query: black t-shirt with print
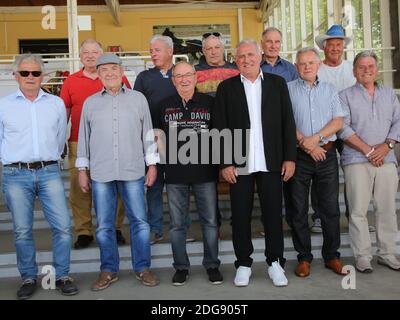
x=186, y=161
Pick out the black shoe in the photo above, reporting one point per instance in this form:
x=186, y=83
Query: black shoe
x=83, y=241
x=66, y=286
x=120, y=238
x=27, y=289
x=214, y=276
x=179, y=278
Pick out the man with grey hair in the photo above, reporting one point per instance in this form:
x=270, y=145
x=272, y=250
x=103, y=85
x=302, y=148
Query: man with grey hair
x=189, y=112
x=319, y=115
x=75, y=89
x=271, y=43
x=32, y=137
x=257, y=103
x=116, y=141
x=213, y=69
x=371, y=129
x=339, y=72
x=156, y=85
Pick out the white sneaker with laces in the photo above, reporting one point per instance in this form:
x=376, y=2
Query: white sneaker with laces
x=277, y=275
x=242, y=276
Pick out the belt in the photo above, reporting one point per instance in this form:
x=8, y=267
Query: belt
x=328, y=146
x=31, y=165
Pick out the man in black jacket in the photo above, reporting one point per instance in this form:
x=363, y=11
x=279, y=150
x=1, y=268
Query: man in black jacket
x=258, y=105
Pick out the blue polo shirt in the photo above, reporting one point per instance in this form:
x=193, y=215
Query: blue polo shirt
x=282, y=68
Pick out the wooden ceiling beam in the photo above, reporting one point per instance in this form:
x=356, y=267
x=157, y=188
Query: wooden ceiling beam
x=115, y=10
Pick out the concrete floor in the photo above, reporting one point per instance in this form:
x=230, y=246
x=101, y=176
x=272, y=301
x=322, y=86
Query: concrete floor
x=323, y=284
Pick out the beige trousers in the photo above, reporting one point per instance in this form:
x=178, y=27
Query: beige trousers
x=81, y=203
x=363, y=183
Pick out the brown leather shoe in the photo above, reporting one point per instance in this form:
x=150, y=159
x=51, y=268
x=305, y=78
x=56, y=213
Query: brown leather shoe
x=147, y=278
x=336, y=266
x=104, y=280
x=303, y=269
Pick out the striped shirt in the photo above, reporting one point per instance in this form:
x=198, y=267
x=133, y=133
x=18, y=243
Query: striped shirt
x=314, y=107
x=373, y=119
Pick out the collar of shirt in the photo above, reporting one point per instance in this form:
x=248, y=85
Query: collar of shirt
x=306, y=85
x=168, y=74
x=278, y=61
x=360, y=86
x=123, y=89
x=80, y=74
x=41, y=94
x=260, y=75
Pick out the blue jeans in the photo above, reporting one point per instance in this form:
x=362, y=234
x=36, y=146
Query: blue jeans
x=154, y=197
x=21, y=186
x=178, y=201
x=105, y=204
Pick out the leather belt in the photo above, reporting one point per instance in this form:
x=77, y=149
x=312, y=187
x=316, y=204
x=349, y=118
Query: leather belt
x=31, y=165
x=328, y=146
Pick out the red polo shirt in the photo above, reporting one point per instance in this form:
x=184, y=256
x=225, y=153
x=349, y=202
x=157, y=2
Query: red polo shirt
x=75, y=89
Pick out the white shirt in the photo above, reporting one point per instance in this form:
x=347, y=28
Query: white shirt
x=256, y=158
x=340, y=76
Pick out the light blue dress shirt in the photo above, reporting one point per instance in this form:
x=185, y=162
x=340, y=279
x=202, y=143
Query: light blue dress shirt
x=32, y=131
x=314, y=107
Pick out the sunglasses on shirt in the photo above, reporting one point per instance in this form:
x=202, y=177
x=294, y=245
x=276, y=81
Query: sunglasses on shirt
x=215, y=34
x=25, y=74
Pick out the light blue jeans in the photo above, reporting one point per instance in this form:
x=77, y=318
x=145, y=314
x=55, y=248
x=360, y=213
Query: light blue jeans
x=105, y=204
x=20, y=187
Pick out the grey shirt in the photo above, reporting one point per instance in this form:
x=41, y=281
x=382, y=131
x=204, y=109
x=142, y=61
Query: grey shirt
x=116, y=136
x=314, y=107
x=373, y=119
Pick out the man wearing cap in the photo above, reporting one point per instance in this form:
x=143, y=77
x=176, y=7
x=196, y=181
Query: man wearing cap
x=116, y=142
x=318, y=115
x=339, y=72
x=271, y=43
x=334, y=69
x=75, y=89
x=32, y=137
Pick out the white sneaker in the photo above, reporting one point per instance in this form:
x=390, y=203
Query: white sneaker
x=242, y=276
x=277, y=275
x=317, y=226
x=390, y=261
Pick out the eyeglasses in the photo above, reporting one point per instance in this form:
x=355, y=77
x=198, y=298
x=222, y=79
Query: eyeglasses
x=215, y=34
x=25, y=74
x=181, y=76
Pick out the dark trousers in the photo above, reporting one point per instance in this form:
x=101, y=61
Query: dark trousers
x=269, y=188
x=314, y=202
x=326, y=178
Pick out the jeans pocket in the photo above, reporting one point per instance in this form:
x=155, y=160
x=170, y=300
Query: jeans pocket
x=9, y=171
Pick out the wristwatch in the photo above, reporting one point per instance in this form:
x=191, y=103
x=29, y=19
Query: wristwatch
x=390, y=144
x=82, y=169
x=322, y=139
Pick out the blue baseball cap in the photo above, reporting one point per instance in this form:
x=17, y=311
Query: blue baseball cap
x=336, y=31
